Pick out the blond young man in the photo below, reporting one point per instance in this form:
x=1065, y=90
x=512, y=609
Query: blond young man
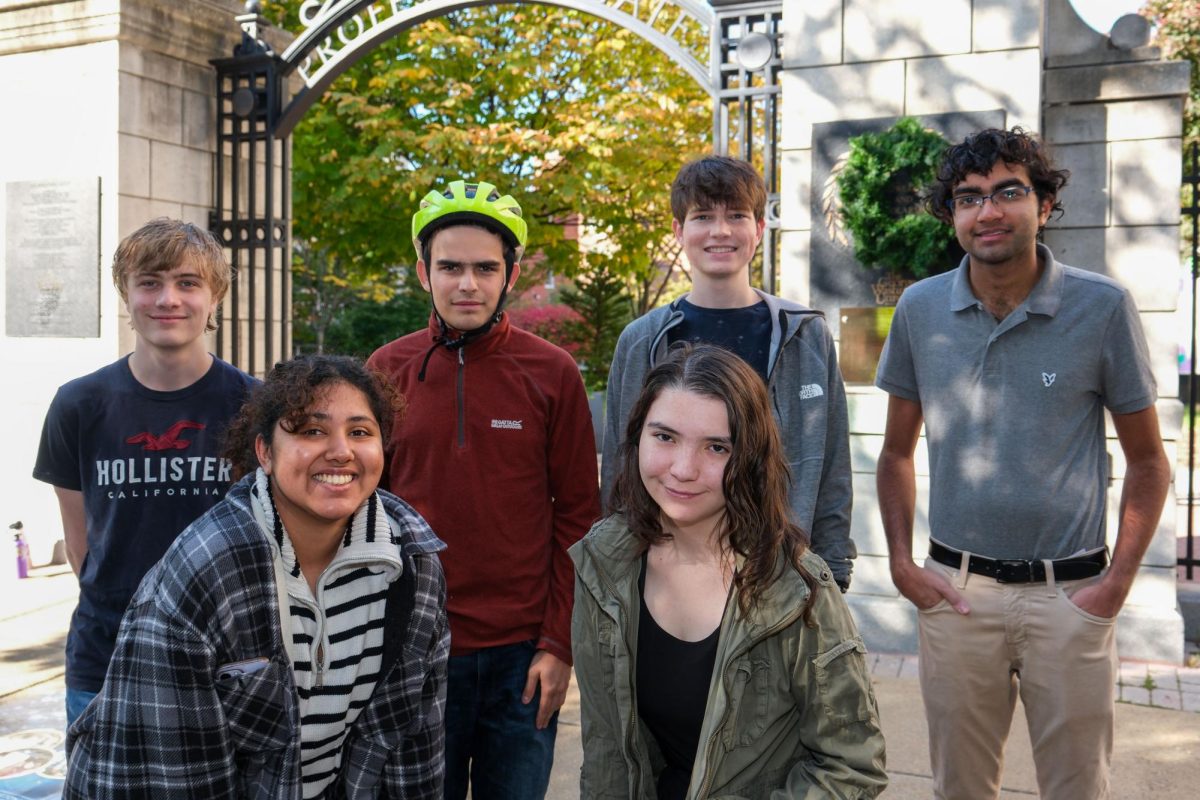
x=132, y=449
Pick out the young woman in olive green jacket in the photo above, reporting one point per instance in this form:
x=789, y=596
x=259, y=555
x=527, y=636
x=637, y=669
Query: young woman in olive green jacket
x=715, y=655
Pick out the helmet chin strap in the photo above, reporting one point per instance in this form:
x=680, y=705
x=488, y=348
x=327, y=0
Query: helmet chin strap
x=465, y=337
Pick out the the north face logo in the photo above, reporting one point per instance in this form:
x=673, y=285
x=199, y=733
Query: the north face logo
x=810, y=390
x=169, y=440
x=508, y=424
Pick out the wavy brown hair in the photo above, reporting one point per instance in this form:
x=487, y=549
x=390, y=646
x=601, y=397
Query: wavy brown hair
x=756, y=522
x=163, y=244
x=287, y=396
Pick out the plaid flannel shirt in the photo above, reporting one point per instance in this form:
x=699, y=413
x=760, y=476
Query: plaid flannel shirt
x=165, y=725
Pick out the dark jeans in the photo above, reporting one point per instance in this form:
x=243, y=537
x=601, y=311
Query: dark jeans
x=77, y=701
x=491, y=740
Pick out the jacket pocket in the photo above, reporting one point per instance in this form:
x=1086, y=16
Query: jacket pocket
x=843, y=682
x=749, y=702
x=256, y=713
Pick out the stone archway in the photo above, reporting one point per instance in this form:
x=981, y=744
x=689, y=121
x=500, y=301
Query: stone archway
x=732, y=50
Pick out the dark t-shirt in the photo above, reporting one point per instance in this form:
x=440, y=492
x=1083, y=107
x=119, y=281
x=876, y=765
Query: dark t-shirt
x=148, y=464
x=672, y=694
x=745, y=331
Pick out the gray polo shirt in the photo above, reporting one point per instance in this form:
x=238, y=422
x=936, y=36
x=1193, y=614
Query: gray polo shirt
x=1014, y=409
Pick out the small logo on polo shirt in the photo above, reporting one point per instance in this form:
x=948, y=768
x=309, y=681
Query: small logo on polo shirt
x=810, y=390
x=1048, y=378
x=508, y=424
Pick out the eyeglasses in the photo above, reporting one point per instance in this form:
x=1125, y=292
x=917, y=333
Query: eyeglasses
x=1009, y=195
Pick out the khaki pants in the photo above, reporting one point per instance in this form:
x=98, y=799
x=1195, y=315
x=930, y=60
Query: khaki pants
x=1019, y=639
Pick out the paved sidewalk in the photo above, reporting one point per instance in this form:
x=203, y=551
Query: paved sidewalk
x=1158, y=718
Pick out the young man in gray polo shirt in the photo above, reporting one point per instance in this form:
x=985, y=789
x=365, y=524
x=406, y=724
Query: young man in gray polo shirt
x=1010, y=361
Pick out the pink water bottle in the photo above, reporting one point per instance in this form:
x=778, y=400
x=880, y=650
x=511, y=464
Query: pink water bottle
x=23, y=560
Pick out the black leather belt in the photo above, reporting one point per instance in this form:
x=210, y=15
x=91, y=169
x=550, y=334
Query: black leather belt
x=1017, y=570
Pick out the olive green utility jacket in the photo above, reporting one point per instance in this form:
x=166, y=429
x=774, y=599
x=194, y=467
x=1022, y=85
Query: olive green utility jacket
x=790, y=714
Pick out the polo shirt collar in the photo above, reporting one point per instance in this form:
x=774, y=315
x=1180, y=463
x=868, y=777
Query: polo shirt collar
x=1045, y=298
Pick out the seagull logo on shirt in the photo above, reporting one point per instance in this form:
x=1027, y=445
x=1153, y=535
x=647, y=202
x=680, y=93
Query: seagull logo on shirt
x=169, y=440
x=1048, y=378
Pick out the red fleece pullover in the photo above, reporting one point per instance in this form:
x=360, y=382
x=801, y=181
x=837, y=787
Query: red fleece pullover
x=496, y=451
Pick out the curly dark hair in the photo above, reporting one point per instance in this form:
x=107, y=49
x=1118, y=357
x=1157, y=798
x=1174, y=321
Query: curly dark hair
x=718, y=180
x=288, y=394
x=979, y=152
x=756, y=522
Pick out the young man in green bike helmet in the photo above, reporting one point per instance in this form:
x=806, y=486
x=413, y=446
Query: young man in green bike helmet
x=496, y=451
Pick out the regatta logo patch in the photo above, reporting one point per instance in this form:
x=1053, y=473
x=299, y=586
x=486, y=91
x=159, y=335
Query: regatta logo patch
x=508, y=424
x=1048, y=378
x=810, y=390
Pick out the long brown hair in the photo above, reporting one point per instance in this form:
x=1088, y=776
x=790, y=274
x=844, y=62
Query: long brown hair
x=756, y=522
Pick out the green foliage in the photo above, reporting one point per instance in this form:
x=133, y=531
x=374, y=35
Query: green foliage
x=603, y=306
x=367, y=326
x=880, y=191
x=1177, y=32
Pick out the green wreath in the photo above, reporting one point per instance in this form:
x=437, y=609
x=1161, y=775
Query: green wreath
x=880, y=189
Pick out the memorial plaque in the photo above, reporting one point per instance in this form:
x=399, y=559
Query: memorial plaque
x=52, y=258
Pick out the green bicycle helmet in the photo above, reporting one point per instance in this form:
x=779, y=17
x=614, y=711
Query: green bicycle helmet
x=470, y=202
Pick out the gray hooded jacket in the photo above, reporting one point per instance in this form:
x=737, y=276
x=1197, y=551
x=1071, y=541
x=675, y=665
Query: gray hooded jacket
x=809, y=401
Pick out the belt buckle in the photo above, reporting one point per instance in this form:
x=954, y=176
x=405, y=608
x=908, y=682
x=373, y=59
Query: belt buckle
x=1013, y=570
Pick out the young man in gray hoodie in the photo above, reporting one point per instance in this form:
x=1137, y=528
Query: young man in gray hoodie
x=719, y=209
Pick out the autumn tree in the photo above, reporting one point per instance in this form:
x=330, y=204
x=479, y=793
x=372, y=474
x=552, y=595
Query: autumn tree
x=570, y=114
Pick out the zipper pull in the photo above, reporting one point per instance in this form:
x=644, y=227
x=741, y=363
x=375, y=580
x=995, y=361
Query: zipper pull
x=320, y=665
x=460, y=356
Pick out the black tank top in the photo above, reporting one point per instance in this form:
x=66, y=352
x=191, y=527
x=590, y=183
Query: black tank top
x=672, y=693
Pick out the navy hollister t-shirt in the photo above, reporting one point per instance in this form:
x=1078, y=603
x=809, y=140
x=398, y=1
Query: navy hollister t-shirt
x=148, y=464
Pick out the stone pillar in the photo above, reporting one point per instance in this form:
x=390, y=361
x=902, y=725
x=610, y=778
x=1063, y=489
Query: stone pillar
x=951, y=64
x=1113, y=111
x=115, y=90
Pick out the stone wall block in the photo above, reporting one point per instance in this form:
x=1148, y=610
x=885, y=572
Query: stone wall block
x=1129, y=81
x=133, y=212
x=199, y=121
x=813, y=35
x=794, y=281
x=1143, y=172
x=1075, y=246
x=873, y=576
x=1162, y=337
x=867, y=409
x=151, y=109
x=796, y=180
x=1153, y=586
x=1161, y=552
x=1005, y=24
x=180, y=174
x=1007, y=80
x=1145, y=260
x=866, y=528
x=825, y=94
x=878, y=31
x=1116, y=121
x=145, y=63
x=865, y=449
x=133, y=168
x=1085, y=198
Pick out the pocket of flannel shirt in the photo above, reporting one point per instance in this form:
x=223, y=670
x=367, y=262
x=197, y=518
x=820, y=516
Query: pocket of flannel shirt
x=256, y=708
